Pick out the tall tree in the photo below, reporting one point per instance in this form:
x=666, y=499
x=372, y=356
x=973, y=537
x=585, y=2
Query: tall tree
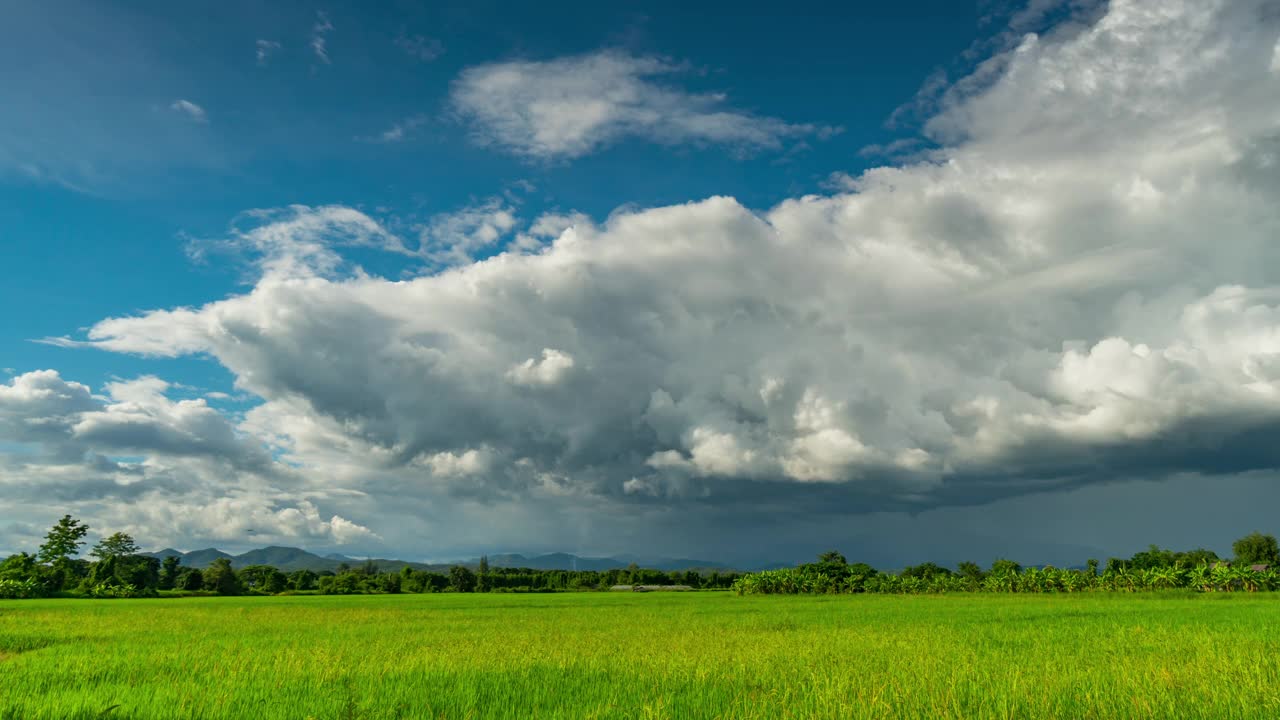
x=1256, y=549
x=191, y=579
x=61, y=544
x=1001, y=566
x=263, y=578
x=971, y=571
x=115, y=545
x=63, y=540
x=302, y=580
x=169, y=572
x=832, y=557
x=221, y=578
x=461, y=579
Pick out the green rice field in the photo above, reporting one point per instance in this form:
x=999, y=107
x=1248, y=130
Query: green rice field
x=657, y=655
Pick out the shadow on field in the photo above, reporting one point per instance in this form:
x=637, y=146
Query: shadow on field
x=107, y=713
x=11, y=645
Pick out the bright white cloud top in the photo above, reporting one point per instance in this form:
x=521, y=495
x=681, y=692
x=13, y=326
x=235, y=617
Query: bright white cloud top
x=1082, y=284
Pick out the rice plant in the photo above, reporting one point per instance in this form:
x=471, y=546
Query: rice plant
x=1172, y=654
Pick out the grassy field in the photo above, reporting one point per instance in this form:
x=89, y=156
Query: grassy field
x=695, y=655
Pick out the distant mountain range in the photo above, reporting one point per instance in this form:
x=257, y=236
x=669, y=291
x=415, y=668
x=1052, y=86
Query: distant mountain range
x=565, y=561
x=289, y=559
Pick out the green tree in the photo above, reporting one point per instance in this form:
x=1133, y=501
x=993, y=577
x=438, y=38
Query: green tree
x=140, y=571
x=262, y=578
x=102, y=573
x=971, y=571
x=302, y=580
x=832, y=557
x=461, y=579
x=389, y=582
x=1152, y=557
x=484, y=582
x=925, y=571
x=20, y=568
x=1092, y=564
x=409, y=581
x=169, y=569
x=115, y=545
x=1256, y=549
x=221, y=578
x=62, y=541
x=1001, y=566
x=192, y=579
x=1197, y=557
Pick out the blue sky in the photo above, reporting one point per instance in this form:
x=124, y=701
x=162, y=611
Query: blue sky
x=602, y=277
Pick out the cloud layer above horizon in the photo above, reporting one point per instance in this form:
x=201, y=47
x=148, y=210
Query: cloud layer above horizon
x=1081, y=285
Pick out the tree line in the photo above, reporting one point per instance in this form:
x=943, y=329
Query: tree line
x=1254, y=567
x=116, y=568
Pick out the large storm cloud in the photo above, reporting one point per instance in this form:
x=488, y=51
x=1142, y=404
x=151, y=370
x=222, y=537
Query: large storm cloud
x=1082, y=284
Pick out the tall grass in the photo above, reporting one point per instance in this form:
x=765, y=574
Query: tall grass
x=700, y=655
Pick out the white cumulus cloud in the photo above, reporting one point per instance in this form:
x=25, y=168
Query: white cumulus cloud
x=551, y=369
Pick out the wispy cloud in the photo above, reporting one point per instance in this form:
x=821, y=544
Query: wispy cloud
x=420, y=47
x=190, y=109
x=265, y=49
x=573, y=106
x=456, y=238
x=398, y=131
x=319, y=31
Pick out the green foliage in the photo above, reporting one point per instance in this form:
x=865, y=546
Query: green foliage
x=461, y=579
x=971, y=571
x=170, y=568
x=832, y=558
x=389, y=583
x=1256, y=549
x=20, y=567
x=926, y=571
x=807, y=579
x=1001, y=566
x=221, y=578
x=303, y=580
x=191, y=579
x=262, y=579
x=115, y=545
x=62, y=541
x=107, y=590
x=139, y=571
x=11, y=589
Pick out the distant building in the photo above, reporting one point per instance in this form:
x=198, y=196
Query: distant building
x=1258, y=568
x=650, y=588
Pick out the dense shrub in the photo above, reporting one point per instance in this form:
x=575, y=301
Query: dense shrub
x=20, y=589
x=809, y=579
